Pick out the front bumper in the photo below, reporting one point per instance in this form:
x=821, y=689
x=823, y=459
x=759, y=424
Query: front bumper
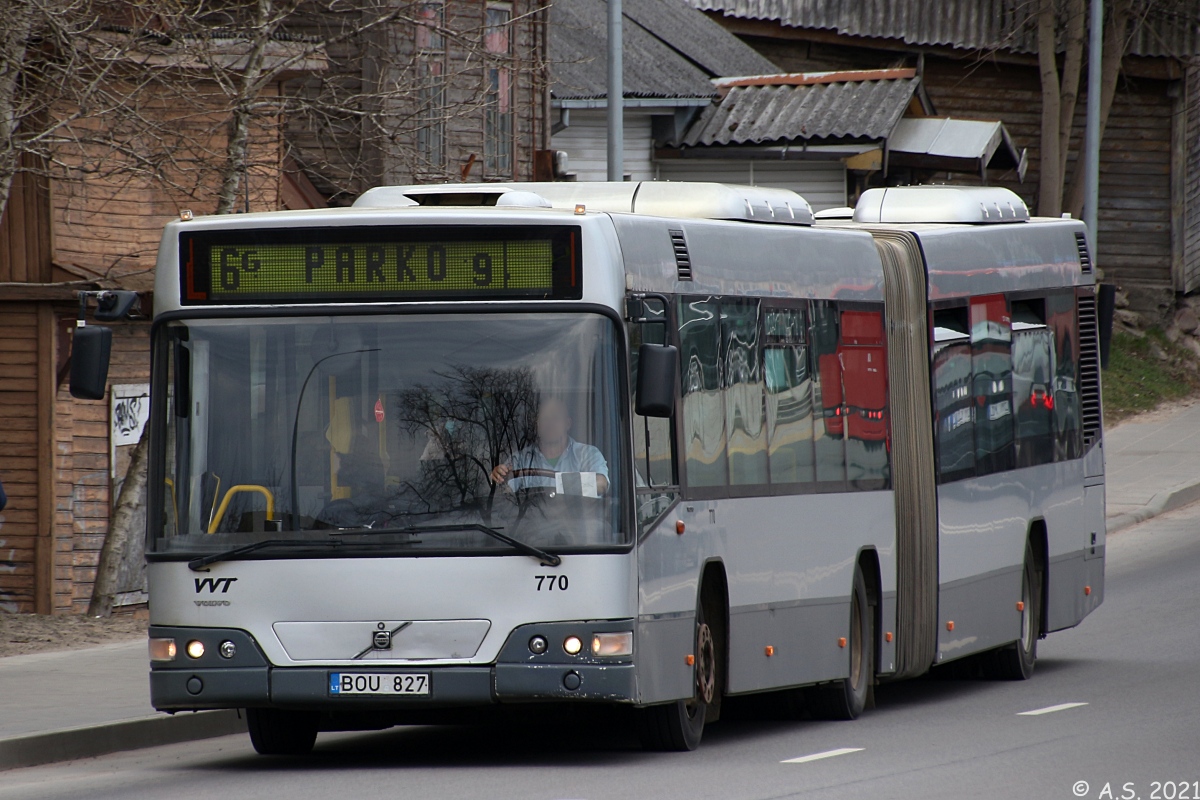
x=248, y=680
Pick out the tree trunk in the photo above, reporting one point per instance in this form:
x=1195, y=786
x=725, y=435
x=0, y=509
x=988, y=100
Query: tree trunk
x=1115, y=26
x=14, y=38
x=122, y=528
x=233, y=170
x=1050, y=184
x=1072, y=69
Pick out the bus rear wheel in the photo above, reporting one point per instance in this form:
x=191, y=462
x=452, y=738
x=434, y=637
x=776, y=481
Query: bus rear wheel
x=1015, y=662
x=281, y=733
x=678, y=726
x=846, y=698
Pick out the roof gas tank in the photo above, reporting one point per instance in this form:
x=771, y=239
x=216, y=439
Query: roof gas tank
x=970, y=205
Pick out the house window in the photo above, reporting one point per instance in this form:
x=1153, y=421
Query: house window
x=498, y=103
x=431, y=88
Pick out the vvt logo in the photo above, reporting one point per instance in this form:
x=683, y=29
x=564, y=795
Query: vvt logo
x=212, y=584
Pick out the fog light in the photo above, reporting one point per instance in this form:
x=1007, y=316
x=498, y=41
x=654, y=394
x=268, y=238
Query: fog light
x=195, y=648
x=612, y=644
x=538, y=645
x=162, y=650
x=227, y=649
x=572, y=645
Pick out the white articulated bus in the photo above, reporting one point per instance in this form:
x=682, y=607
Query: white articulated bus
x=647, y=444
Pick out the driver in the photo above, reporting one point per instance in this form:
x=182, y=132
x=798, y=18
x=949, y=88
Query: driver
x=555, y=451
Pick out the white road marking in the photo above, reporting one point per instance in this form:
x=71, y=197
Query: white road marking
x=841, y=751
x=1037, y=712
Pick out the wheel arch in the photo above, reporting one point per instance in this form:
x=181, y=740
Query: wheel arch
x=868, y=564
x=713, y=593
x=1039, y=543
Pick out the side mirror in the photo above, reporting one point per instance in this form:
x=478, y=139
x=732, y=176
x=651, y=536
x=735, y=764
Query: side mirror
x=91, y=347
x=657, y=365
x=1106, y=297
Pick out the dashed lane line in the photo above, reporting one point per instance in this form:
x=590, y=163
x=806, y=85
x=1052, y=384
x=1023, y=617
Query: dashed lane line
x=841, y=751
x=1037, y=712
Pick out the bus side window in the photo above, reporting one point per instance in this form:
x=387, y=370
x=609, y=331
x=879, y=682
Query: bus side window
x=1033, y=383
x=1062, y=317
x=655, y=482
x=703, y=408
x=991, y=364
x=953, y=404
x=829, y=426
x=742, y=382
x=789, y=396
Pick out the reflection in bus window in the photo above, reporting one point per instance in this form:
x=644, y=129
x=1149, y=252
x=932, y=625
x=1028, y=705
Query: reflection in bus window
x=743, y=384
x=863, y=359
x=703, y=406
x=829, y=426
x=1068, y=432
x=789, y=396
x=1033, y=383
x=991, y=363
x=954, y=407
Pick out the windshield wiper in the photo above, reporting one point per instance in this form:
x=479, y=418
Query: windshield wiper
x=237, y=552
x=547, y=559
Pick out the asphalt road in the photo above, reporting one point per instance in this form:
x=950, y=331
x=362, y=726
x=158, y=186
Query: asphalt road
x=1133, y=664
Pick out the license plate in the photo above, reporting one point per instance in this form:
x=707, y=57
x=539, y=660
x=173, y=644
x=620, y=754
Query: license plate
x=378, y=683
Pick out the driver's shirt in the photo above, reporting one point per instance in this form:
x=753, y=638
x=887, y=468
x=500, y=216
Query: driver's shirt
x=577, y=457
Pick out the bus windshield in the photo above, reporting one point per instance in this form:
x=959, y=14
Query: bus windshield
x=413, y=431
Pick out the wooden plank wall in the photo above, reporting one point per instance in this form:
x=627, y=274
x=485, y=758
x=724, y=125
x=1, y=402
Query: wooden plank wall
x=25, y=228
x=18, y=454
x=1135, y=220
x=1190, y=272
x=86, y=432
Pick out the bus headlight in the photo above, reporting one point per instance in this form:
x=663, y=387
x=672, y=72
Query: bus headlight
x=612, y=644
x=572, y=645
x=195, y=648
x=162, y=650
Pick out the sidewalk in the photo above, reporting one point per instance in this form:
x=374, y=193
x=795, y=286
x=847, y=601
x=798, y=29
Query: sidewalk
x=80, y=703
x=1152, y=465
x=96, y=700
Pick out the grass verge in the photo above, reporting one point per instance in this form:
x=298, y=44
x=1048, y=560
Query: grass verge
x=1145, y=372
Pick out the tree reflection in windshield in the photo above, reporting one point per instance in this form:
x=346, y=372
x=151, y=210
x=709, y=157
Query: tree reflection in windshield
x=474, y=418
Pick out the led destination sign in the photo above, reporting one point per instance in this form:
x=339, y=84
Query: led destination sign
x=373, y=264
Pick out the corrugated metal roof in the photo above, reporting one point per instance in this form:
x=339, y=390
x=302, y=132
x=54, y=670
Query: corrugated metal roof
x=671, y=50
x=1161, y=27
x=771, y=113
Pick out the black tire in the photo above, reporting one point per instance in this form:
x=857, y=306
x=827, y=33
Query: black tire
x=1015, y=662
x=846, y=698
x=678, y=726
x=281, y=733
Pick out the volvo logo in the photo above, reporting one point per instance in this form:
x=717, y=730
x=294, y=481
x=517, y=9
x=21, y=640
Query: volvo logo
x=381, y=638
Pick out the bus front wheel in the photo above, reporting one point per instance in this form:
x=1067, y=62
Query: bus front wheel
x=846, y=698
x=678, y=726
x=281, y=733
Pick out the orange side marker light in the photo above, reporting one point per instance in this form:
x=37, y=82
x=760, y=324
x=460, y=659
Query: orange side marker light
x=770, y=651
x=841, y=641
x=950, y=625
x=679, y=526
x=1020, y=605
x=1087, y=590
x=887, y=637
x=690, y=659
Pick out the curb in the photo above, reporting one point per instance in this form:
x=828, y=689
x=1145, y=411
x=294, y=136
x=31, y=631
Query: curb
x=1161, y=503
x=88, y=741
